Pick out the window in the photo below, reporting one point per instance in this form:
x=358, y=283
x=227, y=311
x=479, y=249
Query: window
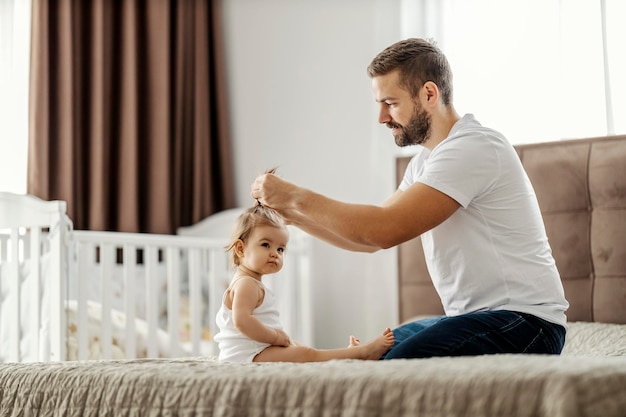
x=536, y=70
x=14, y=71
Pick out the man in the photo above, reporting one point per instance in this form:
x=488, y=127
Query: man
x=467, y=195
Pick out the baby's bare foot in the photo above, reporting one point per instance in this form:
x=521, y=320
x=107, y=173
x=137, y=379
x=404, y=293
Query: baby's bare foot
x=375, y=349
x=354, y=342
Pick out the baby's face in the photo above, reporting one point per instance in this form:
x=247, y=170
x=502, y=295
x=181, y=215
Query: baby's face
x=264, y=250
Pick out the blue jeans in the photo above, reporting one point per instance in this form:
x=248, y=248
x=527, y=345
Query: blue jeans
x=480, y=333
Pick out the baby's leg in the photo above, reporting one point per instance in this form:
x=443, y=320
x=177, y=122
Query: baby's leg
x=370, y=351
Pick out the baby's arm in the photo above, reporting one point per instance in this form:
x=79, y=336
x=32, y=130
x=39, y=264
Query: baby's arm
x=246, y=296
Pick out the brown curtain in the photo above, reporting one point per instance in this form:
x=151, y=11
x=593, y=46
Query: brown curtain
x=128, y=120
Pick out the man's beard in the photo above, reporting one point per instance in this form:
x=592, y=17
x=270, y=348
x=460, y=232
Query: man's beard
x=416, y=132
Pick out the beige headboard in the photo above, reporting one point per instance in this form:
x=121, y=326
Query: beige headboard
x=581, y=187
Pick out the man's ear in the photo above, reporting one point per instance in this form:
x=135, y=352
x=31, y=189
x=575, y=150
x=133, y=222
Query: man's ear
x=431, y=93
x=239, y=247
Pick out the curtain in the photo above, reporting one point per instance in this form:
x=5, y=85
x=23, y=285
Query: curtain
x=127, y=119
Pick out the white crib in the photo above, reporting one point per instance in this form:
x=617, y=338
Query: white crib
x=67, y=294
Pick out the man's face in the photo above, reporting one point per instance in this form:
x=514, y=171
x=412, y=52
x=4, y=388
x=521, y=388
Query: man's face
x=409, y=122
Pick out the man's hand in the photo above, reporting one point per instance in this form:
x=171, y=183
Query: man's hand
x=272, y=191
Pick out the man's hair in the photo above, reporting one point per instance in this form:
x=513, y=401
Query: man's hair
x=250, y=219
x=419, y=61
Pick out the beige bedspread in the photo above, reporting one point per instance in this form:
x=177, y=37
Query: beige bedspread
x=595, y=339
x=501, y=385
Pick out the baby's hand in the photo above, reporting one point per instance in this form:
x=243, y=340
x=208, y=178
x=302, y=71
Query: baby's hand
x=281, y=338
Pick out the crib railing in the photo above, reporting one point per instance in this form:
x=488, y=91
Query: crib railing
x=174, y=275
x=21, y=251
x=67, y=294
x=32, y=230
x=167, y=272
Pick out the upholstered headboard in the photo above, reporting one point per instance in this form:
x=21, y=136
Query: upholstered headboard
x=581, y=188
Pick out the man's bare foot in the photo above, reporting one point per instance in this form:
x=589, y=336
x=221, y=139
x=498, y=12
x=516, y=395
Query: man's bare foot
x=375, y=349
x=354, y=342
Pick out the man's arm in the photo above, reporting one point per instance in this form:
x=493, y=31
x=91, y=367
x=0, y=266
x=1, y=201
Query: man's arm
x=305, y=223
x=404, y=216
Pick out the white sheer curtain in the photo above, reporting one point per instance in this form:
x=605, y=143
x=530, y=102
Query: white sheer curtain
x=14, y=70
x=534, y=69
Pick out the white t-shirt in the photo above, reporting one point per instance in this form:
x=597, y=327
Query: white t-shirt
x=493, y=252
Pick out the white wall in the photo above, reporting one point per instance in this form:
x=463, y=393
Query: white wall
x=300, y=99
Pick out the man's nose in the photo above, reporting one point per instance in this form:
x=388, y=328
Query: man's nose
x=383, y=115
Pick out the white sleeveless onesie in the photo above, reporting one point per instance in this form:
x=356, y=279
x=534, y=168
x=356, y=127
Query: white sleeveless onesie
x=233, y=345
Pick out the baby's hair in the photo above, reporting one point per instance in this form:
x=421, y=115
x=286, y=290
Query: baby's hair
x=248, y=220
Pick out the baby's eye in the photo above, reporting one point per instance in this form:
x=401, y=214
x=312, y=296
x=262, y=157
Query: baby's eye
x=265, y=245
x=281, y=250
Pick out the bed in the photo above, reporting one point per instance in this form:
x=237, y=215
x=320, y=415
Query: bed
x=588, y=379
x=73, y=294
